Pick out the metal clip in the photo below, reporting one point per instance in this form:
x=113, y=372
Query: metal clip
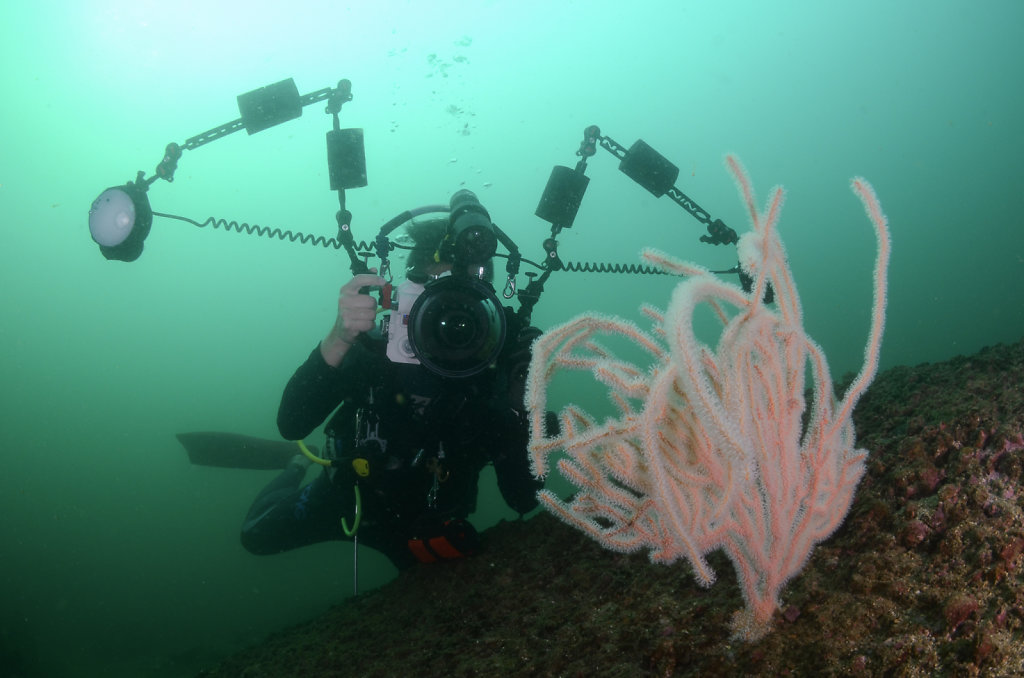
x=440, y=475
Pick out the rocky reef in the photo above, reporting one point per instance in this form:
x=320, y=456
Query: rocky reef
x=923, y=579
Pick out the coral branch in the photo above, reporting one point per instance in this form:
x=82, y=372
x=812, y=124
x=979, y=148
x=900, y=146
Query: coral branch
x=708, y=449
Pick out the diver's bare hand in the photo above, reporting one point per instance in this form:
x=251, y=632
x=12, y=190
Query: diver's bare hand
x=357, y=313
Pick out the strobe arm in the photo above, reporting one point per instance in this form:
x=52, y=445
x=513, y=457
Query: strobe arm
x=120, y=218
x=653, y=171
x=260, y=109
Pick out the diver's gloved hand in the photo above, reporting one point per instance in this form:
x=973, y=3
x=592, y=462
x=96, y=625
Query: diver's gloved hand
x=357, y=313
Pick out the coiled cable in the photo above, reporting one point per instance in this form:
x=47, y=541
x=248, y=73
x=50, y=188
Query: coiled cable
x=268, y=232
x=363, y=246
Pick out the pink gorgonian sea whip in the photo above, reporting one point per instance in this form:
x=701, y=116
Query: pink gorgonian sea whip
x=708, y=448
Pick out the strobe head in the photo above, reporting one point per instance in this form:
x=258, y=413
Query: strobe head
x=119, y=221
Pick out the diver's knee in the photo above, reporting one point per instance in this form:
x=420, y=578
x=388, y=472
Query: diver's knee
x=256, y=545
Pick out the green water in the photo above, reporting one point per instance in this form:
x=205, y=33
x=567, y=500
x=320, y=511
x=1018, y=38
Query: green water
x=119, y=559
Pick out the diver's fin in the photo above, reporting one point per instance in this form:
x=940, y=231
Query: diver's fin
x=232, y=450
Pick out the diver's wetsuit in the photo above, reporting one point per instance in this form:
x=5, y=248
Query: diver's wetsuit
x=425, y=439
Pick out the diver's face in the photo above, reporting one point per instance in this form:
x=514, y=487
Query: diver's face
x=437, y=269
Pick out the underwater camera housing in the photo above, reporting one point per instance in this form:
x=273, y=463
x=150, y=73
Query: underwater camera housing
x=453, y=325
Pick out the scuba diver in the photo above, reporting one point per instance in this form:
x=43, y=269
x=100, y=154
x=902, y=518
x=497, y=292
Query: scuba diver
x=422, y=406
x=417, y=413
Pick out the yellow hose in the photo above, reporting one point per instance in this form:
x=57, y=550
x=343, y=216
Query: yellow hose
x=359, y=514
x=359, y=500
x=312, y=457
